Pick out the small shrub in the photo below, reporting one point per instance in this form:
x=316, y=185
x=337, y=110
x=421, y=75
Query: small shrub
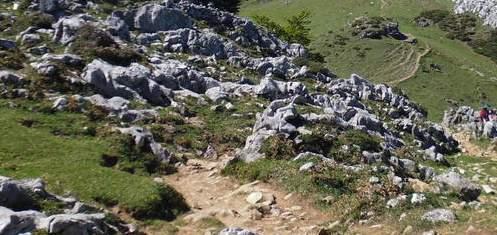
x=108, y=160
x=12, y=59
x=317, y=142
x=96, y=113
x=435, y=15
x=364, y=140
x=41, y=20
x=92, y=42
x=119, y=56
x=278, y=147
x=167, y=205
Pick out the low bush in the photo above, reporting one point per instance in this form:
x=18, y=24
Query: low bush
x=278, y=147
x=133, y=159
x=92, y=42
x=12, y=59
x=435, y=15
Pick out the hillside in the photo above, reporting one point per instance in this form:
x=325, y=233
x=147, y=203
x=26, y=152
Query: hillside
x=173, y=117
x=464, y=76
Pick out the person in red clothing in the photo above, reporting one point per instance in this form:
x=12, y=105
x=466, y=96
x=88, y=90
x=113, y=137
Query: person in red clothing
x=484, y=115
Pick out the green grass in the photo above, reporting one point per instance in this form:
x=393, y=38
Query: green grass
x=373, y=59
x=70, y=163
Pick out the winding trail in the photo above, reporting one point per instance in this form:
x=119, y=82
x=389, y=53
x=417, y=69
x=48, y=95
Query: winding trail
x=212, y=195
x=412, y=73
x=472, y=149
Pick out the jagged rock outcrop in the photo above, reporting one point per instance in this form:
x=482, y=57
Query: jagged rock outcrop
x=18, y=214
x=130, y=82
x=199, y=42
x=376, y=28
x=67, y=27
x=152, y=18
x=485, y=9
x=467, y=190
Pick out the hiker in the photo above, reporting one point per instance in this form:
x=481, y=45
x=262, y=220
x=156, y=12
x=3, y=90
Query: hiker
x=492, y=115
x=484, y=115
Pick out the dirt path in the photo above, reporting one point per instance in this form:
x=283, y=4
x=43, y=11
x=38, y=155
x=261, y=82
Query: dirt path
x=416, y=66
x=214, y=196
x=468, y=147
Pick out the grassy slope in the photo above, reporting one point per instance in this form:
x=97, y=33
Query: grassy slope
x=456, y=81
x=67, y=164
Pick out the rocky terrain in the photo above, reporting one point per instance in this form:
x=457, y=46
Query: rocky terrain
x=187, y=96
x=484, y=9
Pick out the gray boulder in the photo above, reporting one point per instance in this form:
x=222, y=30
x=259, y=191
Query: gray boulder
x=66, y=28
x=216, y=94
x=490, y=129
x=118, y=27
x=199, y=42
x=460, y=116
x=274, y=89
x=486, y=10
x=135, y=81
x=153, y=18
x=76, y=224
x=279, y=117
x=49, y=6
x=11, y=79
x=439, y=215
x=7, y=44
x=453, y=181
x=17, y=194
x=236, y=231
x=14, y=223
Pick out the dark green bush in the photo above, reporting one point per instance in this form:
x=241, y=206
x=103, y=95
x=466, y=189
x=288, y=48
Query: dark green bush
x=12, y=59
x=41, y=20
x=434, y=15
x=167, y=206
x=362, y=139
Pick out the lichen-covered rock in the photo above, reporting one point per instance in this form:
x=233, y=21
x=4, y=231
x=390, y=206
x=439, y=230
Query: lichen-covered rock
x=67, y=27
x=439, y=215
x=135, y=81
x=17, y=195
x=236, y=231
x=22, y=222
x=485, y=9
x=11, y=79
x=76, y=224
x=153, y=18
x=199, y=42
x=453, y=181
